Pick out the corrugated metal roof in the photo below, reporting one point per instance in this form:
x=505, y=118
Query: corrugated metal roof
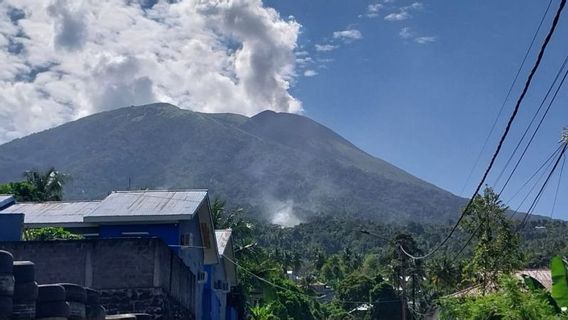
x=541, y=275
x=147, y=205
x=52, y=212
x=222, y=236
x=6, y=199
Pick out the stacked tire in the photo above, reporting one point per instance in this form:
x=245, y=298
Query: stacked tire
x=51, y=303
x=76, y=297
x=6, y=284
x=93, y=307
x=25, y=291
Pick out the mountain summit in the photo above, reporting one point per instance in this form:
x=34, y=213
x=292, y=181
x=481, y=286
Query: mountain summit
x=285, y=167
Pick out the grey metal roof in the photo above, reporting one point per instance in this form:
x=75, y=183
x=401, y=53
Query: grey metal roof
x=222, y=236
x=130, y=206
x=6, y=199
x=56, y=213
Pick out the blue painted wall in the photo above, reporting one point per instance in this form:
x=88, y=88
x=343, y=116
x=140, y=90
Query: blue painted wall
x=211, y=304
x=169, y=233
x=11, y=226
x=231, y=313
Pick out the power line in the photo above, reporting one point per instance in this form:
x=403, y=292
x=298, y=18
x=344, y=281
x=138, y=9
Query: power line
x=474, y=233
x=534, y=186
x=503, y=137
x=530, y=124
x=557, y=187
x=533, y=205
x=534, y=174
x=506, y=97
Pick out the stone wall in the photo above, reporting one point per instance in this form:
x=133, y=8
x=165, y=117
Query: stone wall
x=134, y=275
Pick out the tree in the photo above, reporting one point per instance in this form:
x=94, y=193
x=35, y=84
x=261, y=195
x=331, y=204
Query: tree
x=333, y=270
x=444, y=275
x=496, y=250
x=49, y=233
x=22, y=191
x=38, y=186
x=512, y=301
x=47, y=185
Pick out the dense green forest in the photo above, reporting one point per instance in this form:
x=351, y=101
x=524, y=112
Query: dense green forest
x=360, y=260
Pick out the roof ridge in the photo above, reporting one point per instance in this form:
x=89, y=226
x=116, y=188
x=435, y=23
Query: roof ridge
x=160, y=190
x=59, y=202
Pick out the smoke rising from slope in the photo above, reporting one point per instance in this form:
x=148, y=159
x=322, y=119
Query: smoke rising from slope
x=282, y=213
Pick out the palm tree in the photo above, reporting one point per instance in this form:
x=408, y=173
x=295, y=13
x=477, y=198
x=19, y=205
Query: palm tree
x=46, y=186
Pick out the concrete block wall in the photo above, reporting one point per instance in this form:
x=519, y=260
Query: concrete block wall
x=137, y=273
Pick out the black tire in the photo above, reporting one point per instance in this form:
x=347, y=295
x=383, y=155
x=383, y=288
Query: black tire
x=51, y=292
x=25, y=292
x=77, y=311
x=6, y=284
x=74, y=292
x=93, y=297
x=6, y=306
x=24, y=271
x=52, y=309
x=24, y=311
x=6, y=262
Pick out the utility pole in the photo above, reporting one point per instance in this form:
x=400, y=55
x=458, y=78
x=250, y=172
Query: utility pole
x=402, y=278
x=413, y=287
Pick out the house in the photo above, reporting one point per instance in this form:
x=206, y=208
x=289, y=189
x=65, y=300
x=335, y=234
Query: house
x=225, y=273
x=182, y=219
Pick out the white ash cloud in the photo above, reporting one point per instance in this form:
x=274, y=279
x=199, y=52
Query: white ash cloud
x=61, y=60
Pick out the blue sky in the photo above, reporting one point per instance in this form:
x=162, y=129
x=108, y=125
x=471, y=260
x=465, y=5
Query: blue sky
x=427, y=108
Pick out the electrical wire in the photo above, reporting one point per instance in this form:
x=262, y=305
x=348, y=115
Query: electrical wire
x=503, y=137
x=557, y=187
x=533, y=205
x=474, y=233
x=530, y=124
x=534, y=174
x=532, y=188
x=506, y=97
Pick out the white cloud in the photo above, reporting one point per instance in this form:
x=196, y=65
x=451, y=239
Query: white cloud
x=68, y=59
x=304, y=60
x=373, y=10
x=325, y=47
x=348, y=34
x=404, y=12
x=310, y=73
x=416, y=6
x=405, y=33
x=425, y=40
x=397, y=16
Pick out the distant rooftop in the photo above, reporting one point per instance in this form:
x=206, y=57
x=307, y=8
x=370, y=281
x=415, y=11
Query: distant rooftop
x=45, y=213
x=6, y=199
x=119, y=206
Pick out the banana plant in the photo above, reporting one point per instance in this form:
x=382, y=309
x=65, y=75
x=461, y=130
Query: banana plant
x=559, y=282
